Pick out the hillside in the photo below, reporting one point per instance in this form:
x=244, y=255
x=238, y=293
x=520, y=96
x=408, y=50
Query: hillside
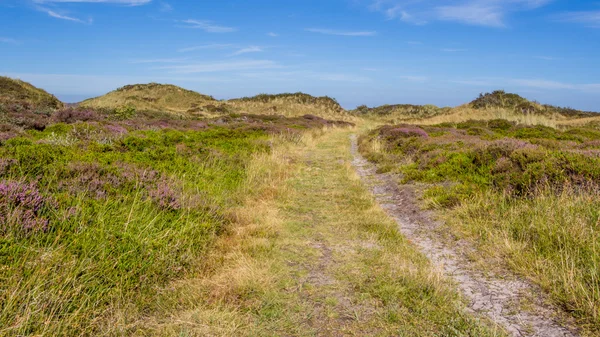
x=495, y=105
x=156, y=97
x=17, y=91
x=518, y=104
x=288, y=104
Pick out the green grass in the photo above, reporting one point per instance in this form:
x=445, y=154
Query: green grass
x=131, y=215
x=315, y=255
x=527, y=195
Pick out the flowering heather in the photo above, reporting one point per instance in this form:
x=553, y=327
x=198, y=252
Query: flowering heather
x=165, y=196
x=22, y=207
x=71, y=115
x=115, y=129
x=6, y=164
x=404, y=131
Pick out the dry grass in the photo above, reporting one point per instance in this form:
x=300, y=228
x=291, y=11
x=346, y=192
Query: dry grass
x=155, y=97
x=310, y=253
x=289, y=108
x=465, y=113
x=17, y=91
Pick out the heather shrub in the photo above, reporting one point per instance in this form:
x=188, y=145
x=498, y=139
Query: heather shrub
x=525, y=159
x=23, y=208
x=71, y=115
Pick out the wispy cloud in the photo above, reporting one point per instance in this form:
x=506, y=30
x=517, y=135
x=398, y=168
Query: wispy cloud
x=290, y=76
x=166, y=60
x=8, y=40
x=63, y=16
x=414, y=78
x=251, y=49
x=546, y=58
x=532, y=83
x=473, y=82
x=341, y=32
x=220, y=66
x=481, y=13
x=165, y=7
x=122, y=2
x=453, y=50
x=398, y=12
x=271, y=34
x=587, y=18
x=546, y=84
x=489, y=13
x=207, y=26
x=205, y=47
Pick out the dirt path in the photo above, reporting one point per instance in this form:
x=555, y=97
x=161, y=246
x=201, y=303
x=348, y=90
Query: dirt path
x=501, y=299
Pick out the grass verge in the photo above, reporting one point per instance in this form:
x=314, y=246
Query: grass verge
x=527, y=195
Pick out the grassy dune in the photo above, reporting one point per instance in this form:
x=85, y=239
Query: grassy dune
x=528, y=195
x=13, y=91
x=156, y=97
x=489, y=106
x=297, y=104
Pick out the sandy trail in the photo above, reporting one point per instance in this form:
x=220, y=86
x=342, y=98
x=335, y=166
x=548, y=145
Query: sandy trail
x=499, y=298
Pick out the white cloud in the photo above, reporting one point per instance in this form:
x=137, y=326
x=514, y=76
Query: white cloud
x=62, y=16
x=587, y=18
x=489, y=13
x=340, y=32
x=398, y=12
x=205, y=47
x=122, y=2
x=251, y=49
x=482, y=13
x=220, y=66
x=271, y=34
x=207, y=26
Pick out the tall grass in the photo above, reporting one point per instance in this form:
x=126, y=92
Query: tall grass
x=527, y=195
x=552, y=238
x=98, y=218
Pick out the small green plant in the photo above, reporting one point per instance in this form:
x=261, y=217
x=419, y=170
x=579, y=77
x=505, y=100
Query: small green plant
x=124, y=112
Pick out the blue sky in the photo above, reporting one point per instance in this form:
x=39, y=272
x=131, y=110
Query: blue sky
x=373, y=52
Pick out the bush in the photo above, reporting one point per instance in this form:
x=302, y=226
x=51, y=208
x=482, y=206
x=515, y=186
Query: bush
x=124, y=112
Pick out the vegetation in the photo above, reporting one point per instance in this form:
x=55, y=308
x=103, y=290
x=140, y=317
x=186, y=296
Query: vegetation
x=155, y=210
x=296, y=104
x=489, y=106
x=100, y=210
x=314, y=255
x=518, y=104
x=527, y=194
x=154, y=97
x=16, y=92
x=407, y=110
